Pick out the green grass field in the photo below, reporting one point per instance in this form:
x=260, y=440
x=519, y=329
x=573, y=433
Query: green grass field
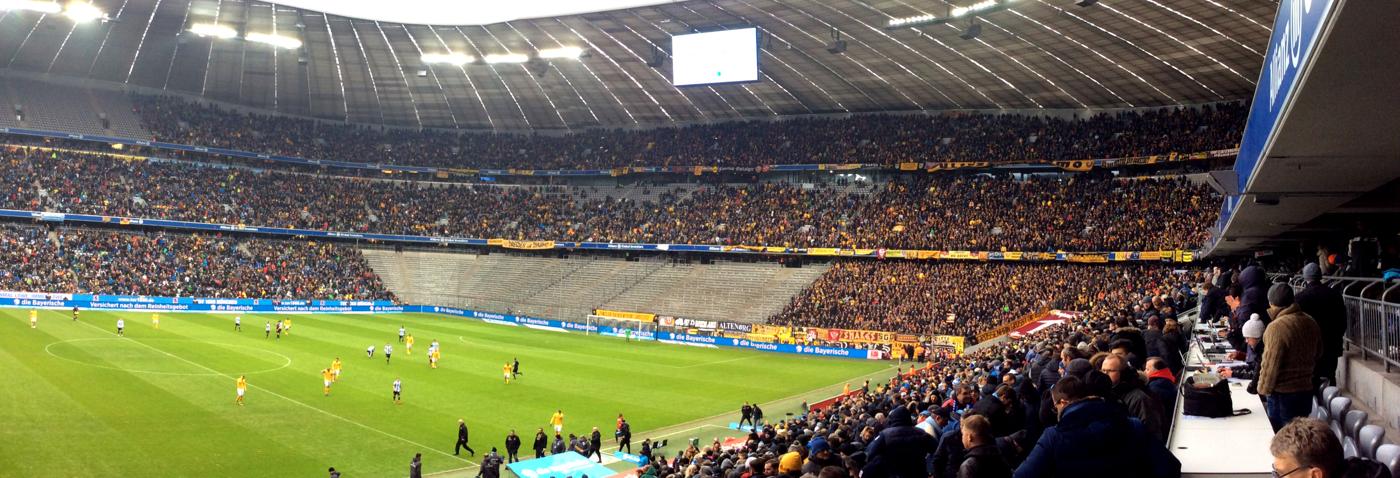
x=75, y=400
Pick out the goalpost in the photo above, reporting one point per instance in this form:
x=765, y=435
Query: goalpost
x=619, y=327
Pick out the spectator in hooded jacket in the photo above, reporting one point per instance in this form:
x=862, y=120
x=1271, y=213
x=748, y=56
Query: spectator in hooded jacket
x=1095, y=439
x=899, y=450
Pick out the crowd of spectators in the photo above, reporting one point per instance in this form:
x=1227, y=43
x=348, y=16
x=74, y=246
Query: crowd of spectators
x=874, y=139
x=39, y=259
x=1068, y=401
x=958, y=298
x=936, y=211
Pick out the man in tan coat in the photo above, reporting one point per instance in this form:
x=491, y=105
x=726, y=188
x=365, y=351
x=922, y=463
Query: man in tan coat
x=1292, y=345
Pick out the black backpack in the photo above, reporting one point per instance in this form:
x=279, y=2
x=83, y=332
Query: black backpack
x=1213, y=401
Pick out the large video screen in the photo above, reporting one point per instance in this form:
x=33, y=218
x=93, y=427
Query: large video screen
x=728, y=56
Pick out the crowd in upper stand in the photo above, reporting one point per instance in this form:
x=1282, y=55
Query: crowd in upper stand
x=993, y=413
x=879, y=139
x=926, y=211
x=37, y=259
x=959, y=298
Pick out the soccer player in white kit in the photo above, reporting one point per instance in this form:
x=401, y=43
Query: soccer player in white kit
x=398, y=388
x=388, y=350
x=121, y=324
x=238, y=323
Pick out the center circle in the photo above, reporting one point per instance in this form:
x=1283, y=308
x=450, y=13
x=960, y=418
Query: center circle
x=168, y=356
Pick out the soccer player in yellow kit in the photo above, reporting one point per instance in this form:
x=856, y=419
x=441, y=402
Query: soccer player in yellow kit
x=408, y=342
x=33, y=319
x=287, y=326
x=558, y=421
x=155, y=321
x=328, y=378
x=242, y=388
x=335, y=369
x=505, y=369
x=433, y=357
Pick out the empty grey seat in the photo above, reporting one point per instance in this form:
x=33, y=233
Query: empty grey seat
x=1337, y=409
x=1349, y=447
x=1369, y=439
x=1352, y=423
x=1320, y=398
x=1328, y=394
x=1389, y=455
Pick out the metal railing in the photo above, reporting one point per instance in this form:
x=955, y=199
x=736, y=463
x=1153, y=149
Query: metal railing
x=1373, y=315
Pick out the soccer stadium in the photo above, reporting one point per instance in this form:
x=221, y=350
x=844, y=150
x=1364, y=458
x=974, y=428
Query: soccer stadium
x=700, y=238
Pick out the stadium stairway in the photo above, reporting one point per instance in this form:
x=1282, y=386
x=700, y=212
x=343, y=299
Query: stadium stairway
x=571, y=288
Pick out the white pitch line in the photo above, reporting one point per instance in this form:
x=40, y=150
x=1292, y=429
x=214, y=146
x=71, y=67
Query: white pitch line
x=284, y=397
x=736, y=359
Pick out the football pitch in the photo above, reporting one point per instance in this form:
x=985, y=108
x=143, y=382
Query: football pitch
x=76, y=400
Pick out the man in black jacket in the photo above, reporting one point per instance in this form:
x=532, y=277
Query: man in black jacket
x=1095, y=439
x=512, y=447
x=559, y=446
x=983, y=459
x=1212, y=300
x=462, y=438
x=1130, y=390
x=1325, y=305
x=900, y=450
x=745, y=415
x=595, y=445
x=625, y=435
x=491, y=466
x=415, y=467
x=541, y=443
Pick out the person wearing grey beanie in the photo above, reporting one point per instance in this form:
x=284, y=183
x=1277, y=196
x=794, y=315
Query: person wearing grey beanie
x=1312, y=273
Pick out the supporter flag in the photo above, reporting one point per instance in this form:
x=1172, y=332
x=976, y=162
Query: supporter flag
x=1078, y=165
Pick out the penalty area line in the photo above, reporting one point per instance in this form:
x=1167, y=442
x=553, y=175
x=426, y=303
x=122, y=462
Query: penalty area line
x=298, y=402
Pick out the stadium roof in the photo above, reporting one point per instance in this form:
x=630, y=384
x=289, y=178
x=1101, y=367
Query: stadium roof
x=459, y=12
x=1035, y=54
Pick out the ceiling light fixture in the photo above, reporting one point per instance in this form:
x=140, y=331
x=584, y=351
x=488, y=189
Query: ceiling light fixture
x=984, y=6
x=976, y=7
x=83, y=12
x=566, y=53
x=213, y=30
x=507, y=58
x=274, y=40
x=457, y=59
